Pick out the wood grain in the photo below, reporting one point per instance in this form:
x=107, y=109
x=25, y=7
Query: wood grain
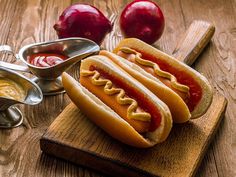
x=73, y=137
x=26, y=21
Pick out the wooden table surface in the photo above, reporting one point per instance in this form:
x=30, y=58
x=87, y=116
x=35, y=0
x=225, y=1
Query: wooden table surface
x=28, y=21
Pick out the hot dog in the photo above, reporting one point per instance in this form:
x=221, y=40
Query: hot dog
x=177, y=106
x=118, y=103
x=192, y=88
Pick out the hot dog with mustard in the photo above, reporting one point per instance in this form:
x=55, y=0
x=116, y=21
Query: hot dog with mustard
x=118, y=103
x=192, y=88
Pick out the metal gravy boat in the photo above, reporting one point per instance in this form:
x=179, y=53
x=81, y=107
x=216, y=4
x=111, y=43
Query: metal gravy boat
x=10, y=116
x=48, y=78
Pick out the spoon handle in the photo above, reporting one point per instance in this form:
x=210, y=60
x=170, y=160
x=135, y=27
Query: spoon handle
x=8, y=49
x=14, y=67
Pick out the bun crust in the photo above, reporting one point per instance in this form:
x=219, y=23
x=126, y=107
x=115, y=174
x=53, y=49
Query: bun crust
x=108, y=120
x=207, y=94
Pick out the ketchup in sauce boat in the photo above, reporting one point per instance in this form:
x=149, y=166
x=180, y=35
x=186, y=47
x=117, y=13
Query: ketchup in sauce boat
x=46, y=59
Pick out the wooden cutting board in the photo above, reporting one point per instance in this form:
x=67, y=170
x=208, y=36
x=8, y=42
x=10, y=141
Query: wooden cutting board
x=73, y=137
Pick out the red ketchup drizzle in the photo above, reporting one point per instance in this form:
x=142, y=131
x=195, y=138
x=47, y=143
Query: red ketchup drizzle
x=143, y=102
x=45, y=59
x=184, y=78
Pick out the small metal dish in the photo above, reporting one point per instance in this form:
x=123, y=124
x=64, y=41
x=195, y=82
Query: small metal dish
x=48, y=78
x=10, y=116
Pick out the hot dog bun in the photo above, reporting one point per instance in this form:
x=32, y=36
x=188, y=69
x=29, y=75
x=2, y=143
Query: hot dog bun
x=106, y=118
x=179, y=110
x=206, y=91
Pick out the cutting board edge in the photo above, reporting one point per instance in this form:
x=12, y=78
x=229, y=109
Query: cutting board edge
x=46, y=145
x=210, y=137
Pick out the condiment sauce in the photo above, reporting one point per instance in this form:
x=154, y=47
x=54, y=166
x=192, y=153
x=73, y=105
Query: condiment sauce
x=184, y=78
x=182, y=92
x=46, y=59
x=12, y=90
x=143, y=102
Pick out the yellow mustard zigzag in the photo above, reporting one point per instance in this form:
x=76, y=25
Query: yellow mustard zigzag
x=157, y=70
x=120, y=98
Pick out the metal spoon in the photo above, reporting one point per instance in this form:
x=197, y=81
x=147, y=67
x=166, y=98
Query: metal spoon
x=10, y=116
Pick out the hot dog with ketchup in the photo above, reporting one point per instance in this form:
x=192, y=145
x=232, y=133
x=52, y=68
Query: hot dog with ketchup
x=177, y=106
x=192, y=88
x=118, y=103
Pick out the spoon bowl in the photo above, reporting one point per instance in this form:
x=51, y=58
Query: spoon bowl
x=10, y=116
x=48, y=78
x=74, y=48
